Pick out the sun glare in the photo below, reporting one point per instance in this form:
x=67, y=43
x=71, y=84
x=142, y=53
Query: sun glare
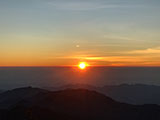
x=82, y=65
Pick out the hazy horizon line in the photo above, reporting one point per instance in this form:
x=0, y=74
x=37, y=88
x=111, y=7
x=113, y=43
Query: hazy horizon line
x=91, y=66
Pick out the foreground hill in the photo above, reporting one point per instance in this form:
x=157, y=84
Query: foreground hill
x=132, y=94
x=71, y=104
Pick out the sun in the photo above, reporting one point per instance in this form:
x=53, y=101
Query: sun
x=82, y=65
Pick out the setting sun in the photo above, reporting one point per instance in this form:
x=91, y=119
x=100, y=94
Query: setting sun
x=82, y=65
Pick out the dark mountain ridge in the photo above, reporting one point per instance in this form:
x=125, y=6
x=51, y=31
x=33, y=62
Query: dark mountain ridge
x=70, y=104
x=137, y=94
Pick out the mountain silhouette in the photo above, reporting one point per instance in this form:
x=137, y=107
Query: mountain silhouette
x=70, y=104
x=137, y=94
x=133, y=94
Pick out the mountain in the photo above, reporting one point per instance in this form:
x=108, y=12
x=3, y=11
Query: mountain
x=71, y=86
x=137, y=94
x=133, y=94
x=70, y=104
x=11, y=97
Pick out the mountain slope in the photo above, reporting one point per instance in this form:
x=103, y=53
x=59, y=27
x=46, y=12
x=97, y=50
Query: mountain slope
x=11, y=97
x=137, y=94
x=133, y=94
x=71, y=104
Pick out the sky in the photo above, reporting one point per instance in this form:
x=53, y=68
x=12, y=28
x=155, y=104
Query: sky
x=65, y=32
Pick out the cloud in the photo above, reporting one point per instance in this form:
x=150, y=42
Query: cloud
x=118, y=38
x=86, y=5
x=102, y=58
x=146, y=57
x=147, y=51
x=143, y=60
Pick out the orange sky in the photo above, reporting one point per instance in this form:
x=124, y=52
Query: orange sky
x=64, y=33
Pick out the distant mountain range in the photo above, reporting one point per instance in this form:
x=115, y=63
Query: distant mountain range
x=69, y=104
x=137, y=94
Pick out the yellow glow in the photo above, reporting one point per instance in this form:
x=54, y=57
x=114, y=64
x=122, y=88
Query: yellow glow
x=82, y=65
